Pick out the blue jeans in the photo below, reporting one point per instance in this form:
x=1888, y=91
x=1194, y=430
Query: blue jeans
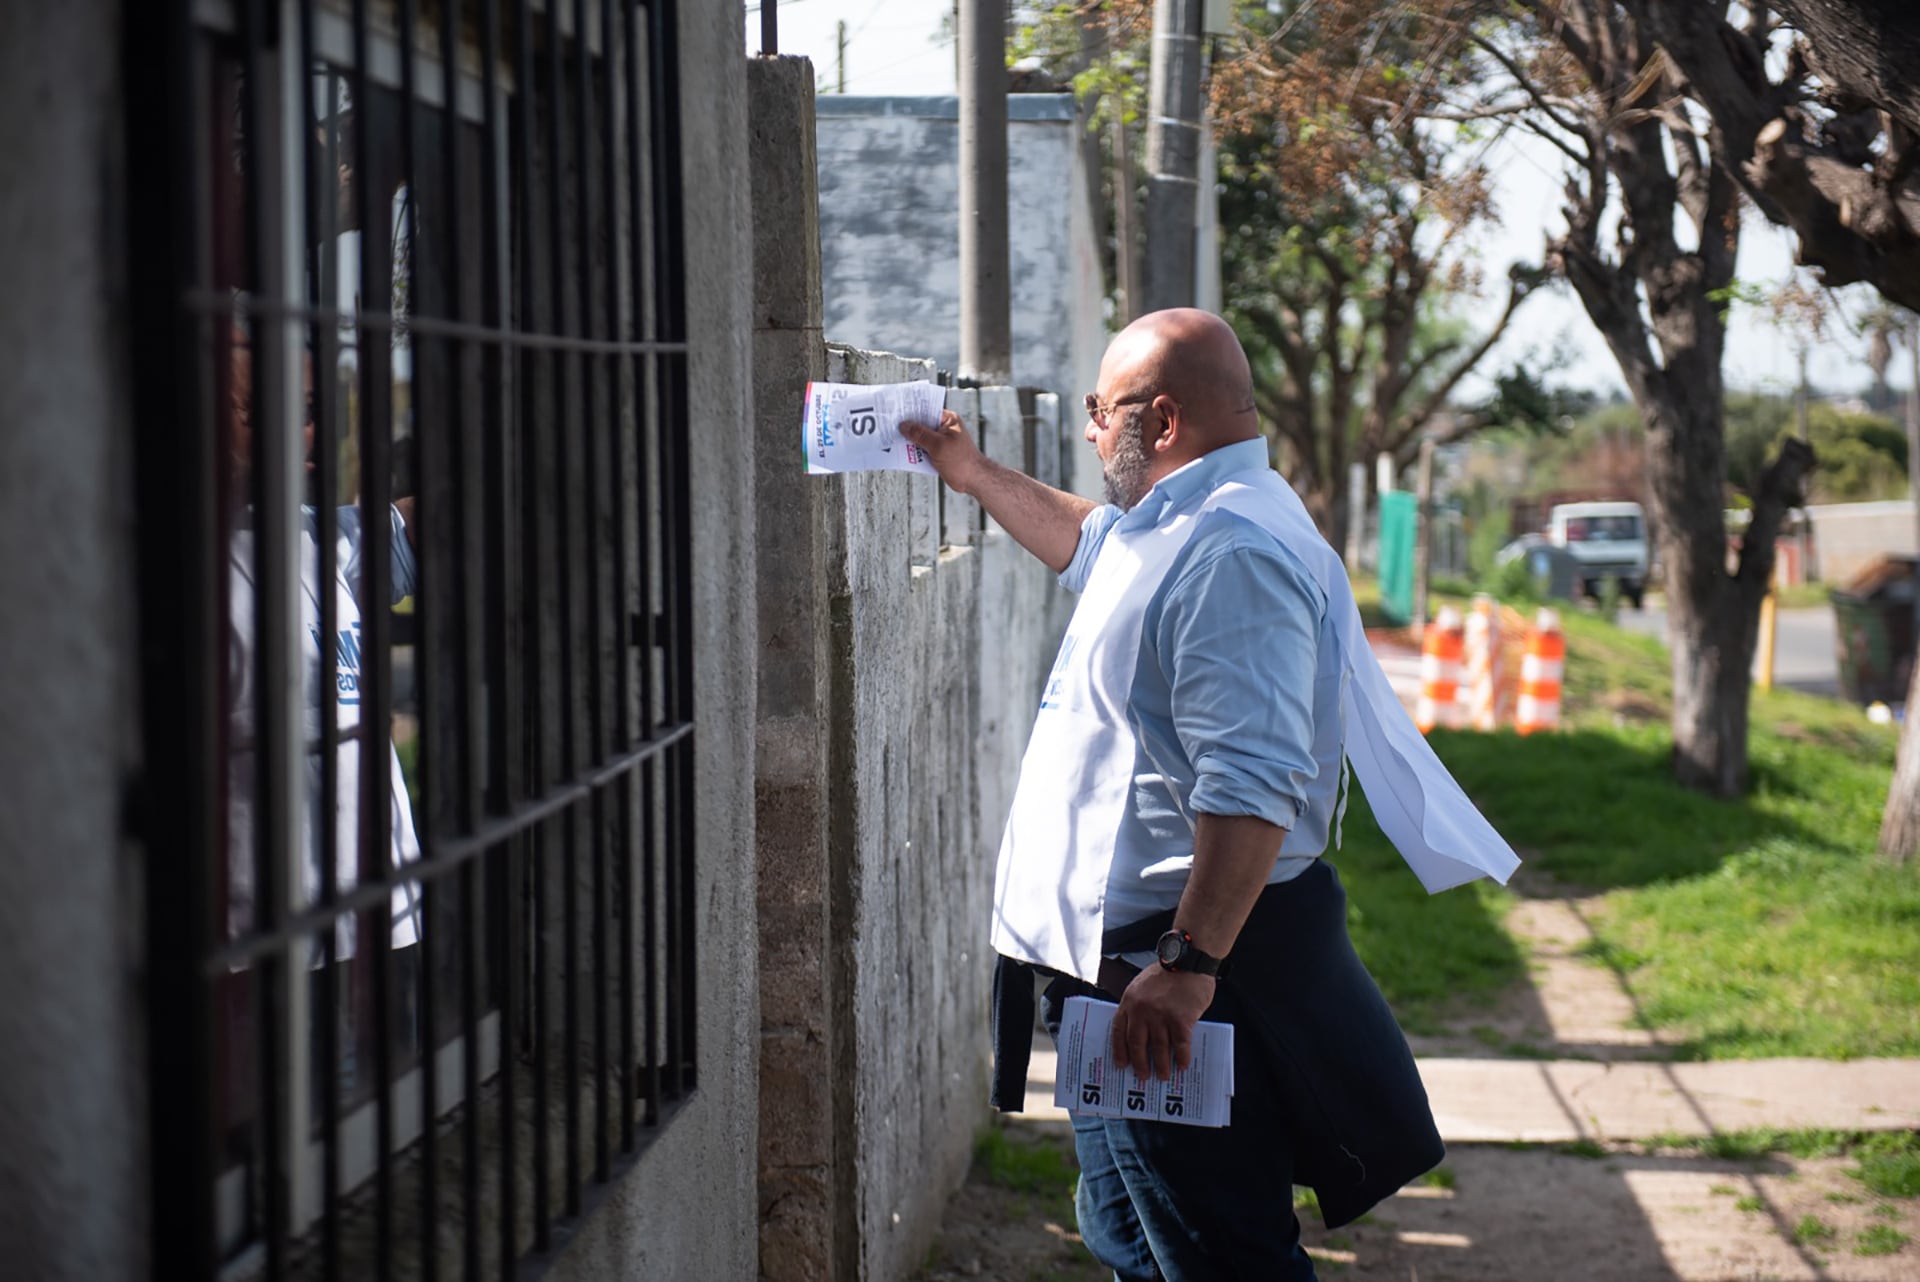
x=1164, y=1203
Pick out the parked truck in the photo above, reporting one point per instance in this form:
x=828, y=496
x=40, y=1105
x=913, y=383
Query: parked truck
x=1608, y=540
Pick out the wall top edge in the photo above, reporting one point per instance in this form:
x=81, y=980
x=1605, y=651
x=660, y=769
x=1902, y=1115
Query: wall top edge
x=1021, y=107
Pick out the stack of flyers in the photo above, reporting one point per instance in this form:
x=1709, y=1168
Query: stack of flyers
x=1201, y=1094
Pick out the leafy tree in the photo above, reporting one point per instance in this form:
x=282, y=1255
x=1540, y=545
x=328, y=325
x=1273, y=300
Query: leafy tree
x=1862, y=456
x=1755, y=423
x=1342, y=218
x=1343, y=213
x=1652, y=226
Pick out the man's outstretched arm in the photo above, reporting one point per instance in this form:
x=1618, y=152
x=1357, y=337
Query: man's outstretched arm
x=1043, y=520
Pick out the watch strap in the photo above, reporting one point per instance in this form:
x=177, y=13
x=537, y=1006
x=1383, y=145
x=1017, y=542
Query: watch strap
x=1187, y=958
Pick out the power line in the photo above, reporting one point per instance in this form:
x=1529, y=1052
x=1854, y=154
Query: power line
x=871, y=14
x=938, y=46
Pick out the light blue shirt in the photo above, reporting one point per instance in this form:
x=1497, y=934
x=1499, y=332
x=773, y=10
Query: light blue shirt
x=1236, y=694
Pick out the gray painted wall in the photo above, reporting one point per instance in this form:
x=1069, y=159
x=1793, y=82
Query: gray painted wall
x=72, y=1052
x=889, y=239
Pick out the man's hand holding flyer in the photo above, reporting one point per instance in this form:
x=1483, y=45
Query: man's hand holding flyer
x=1201, y=1094
x=850, y=427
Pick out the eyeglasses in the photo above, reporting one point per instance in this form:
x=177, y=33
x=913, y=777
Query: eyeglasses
x=1099, y=413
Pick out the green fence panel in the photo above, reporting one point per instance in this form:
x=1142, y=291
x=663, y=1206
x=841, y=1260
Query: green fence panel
x=1399, y=519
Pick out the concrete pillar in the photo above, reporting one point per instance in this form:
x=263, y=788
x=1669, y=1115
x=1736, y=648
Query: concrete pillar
x=798, y=1223
x=73, y=1120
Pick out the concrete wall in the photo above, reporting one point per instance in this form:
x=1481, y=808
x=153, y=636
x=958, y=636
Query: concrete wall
x=72, y=1050
x=904, y=639
x=801, y=1117
x=1848, y=537
x=889, y=236
x=933, y=632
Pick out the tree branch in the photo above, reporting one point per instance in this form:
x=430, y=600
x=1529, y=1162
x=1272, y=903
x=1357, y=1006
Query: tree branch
x=1527, y=86
x=1782, y=487
x=1523, y=281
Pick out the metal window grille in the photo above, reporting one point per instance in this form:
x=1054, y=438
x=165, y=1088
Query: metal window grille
x=408, y=312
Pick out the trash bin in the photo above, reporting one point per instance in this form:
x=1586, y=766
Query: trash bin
x=1874, y=631
x=1554, y=570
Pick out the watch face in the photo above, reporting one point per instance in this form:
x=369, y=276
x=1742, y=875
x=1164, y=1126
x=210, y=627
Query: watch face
x=1170, y=948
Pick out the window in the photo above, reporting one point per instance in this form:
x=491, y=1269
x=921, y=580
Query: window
x=410, y=371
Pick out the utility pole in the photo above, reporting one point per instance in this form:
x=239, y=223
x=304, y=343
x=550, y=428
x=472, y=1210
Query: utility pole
x=1356, y=514
x=840, y=57
x=986, y=338
x=1125, y=234
x=1802, y=397
x=1125, y=237
x=1173, y=154
x=1422, y=535
x=985, y=300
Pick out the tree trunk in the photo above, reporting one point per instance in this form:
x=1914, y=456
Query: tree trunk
x=1866, y=48
x=1713, y=617
x=1712, y=679
x=1900, y=822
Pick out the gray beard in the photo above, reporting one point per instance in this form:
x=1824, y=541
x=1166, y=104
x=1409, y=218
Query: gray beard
x=1125, y=474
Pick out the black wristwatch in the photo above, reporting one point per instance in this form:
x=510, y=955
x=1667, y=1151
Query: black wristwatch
x=1176, y=952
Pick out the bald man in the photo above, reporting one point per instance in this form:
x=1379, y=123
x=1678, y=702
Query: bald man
x=1164, y=846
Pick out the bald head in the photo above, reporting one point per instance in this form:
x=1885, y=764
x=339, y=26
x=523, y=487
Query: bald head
x=1195, y=358
x=1174, y=386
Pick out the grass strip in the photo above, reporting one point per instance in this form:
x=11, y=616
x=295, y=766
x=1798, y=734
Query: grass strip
x=1756, y=927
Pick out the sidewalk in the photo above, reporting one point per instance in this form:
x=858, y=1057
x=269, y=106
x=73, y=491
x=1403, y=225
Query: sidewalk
x=1559, y=1101
x=1568, y=1159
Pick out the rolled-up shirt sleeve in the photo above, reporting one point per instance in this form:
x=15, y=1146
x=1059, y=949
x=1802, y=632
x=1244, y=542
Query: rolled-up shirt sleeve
x=1093, y=532
x=1237, y=636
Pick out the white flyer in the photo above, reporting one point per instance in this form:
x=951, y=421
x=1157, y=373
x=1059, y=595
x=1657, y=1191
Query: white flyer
x=852, y=427
x=1201, y=1094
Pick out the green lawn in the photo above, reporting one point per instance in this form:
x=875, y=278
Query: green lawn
x=1763, y=926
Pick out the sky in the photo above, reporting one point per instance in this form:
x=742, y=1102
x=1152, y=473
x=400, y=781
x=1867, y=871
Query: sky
x=899, y=47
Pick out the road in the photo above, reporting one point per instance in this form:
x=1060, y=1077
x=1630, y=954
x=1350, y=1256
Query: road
x=1804, y=656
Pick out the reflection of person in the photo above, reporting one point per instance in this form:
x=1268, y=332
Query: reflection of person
x=342, y=702
x=1183, y=779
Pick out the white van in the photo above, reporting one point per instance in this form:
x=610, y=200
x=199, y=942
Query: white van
x=1609, y=540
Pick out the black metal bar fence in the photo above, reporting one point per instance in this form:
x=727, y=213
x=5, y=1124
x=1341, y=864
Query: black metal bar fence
x=415, y=588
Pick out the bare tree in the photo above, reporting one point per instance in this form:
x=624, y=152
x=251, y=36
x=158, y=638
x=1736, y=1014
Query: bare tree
x=1596, y=86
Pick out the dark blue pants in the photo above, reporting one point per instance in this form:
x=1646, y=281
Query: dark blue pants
x=1164, y=1203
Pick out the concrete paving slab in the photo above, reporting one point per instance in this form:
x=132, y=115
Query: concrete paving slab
x=1558, y=1101
x=1538, y=1215
x=1561, y=1100
x=1583, y=1003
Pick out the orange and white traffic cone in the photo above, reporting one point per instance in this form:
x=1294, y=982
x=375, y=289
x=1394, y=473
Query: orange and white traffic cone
x=1540, y=673
x=1483, y=661
x=1441, y=648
